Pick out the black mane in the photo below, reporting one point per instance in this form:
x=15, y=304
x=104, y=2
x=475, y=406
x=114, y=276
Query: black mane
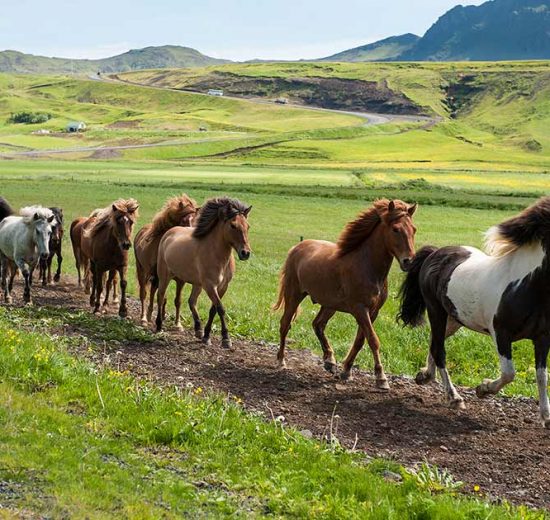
x=216, y=210
x=531, y=225
x=5, y=209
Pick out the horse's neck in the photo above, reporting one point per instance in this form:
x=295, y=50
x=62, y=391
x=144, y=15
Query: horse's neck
x=219, y=249
x=375, y=256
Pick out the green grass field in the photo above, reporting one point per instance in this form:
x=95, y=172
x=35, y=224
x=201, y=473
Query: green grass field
x=85, y=442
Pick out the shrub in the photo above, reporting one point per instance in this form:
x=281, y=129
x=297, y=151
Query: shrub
x=29, y=118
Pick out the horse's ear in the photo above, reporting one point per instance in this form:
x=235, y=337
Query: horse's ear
x=50, y=219
x=412, y=208
x=115, y=208
x=391, y=206
x=36, y=216
x=182, y=204
x=247, y=211
x=134, y=209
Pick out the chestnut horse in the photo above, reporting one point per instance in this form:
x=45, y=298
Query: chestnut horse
x=105, y=242
x=202, y=256
x=78, y=226
x=349, y=276
x=177, y=211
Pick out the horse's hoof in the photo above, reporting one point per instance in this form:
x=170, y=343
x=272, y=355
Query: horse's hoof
x=281, y=364
x=9, y=299
x=179, y=327
x=382, y=384
x=482, y=390
x=144, y=322
x=423, y=378
x=331, y=367
x=457, y=404
x=86, y=291
x=206, y=341
x=346, y=375
x=56, y=278
x=226, y=343
x=116, y=300
x=198, y=333
x=546, y=423
x=123, y=315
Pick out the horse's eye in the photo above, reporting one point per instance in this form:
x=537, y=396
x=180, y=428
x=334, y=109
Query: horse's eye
x=234, y=226
x=395, y=230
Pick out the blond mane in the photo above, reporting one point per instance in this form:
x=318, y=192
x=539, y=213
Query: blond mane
x=103, y=216
x=28, y=213
x=171, y=214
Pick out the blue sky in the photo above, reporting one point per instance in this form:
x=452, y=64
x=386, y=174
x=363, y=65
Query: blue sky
x=234, y=29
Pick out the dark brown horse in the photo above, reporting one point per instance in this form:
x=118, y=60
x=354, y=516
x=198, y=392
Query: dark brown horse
x=177, y=211
x=106, y=243
x=350, y=276
x=202, y=256
x=56, y=243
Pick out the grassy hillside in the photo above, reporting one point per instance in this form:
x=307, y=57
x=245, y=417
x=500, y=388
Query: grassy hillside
x=378, y=51
x=147, y=58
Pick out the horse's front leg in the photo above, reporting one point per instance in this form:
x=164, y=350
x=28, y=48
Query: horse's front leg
x=216, y=295
x=319, y=325
x=115, y=288
x=352, y=354
x=177, y=303
x=109, y=284
x=49, y=262
x=26, y=271
x=542, y=346
x=363, y=318
x=42, y=271
x=122, y=310
x=57, y=276
x=507, y=370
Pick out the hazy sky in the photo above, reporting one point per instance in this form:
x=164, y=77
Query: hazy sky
x=234, y=29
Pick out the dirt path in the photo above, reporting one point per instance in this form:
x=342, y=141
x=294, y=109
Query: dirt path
x=495, y=443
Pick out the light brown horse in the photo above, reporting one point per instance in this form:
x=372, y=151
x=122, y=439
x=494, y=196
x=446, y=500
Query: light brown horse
x=202, y=256
x=177, y=211
x=349, y=276
x=105, y=242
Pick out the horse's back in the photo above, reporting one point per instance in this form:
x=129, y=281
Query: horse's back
x=177, y=246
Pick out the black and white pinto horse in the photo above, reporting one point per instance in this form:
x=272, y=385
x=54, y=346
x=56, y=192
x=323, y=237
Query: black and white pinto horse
x=504, y=293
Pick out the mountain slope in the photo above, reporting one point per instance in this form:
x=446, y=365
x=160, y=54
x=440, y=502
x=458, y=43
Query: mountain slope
x=147, y=58
x=495, y=30
x=378, y=51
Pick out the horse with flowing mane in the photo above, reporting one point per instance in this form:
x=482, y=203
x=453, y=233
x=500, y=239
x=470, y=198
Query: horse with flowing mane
x=177, y=211
x=24, y=239
x=349, y=276
x=504, y=293
x=105, y=242
x=202, y=256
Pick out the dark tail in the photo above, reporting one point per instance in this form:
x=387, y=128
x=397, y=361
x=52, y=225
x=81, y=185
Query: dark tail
x=413, y=306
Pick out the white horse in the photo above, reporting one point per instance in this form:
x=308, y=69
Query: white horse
x=24, y=240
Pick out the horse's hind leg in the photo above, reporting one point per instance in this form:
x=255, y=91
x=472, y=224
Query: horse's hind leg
x=319, y=324
x=291, y=302
x=542, y=346
x=216, y=299
x=122, y=309
x=177, y=303
x=438, y=320
x=427, y=374
x=193, y=308
x=108, y=287
x=143, y=283
x=5, y=286
x=49, y=262
x=507, y=371
x=115, y=287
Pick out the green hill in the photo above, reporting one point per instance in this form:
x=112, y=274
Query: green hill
x=378, y=51
x=147, y=58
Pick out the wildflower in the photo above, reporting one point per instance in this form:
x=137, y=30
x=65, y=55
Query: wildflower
x=198, y=390
x=476, y=488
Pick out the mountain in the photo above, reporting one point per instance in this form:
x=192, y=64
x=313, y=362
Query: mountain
x=167, y=56
x=493, y=31
x=378, y=51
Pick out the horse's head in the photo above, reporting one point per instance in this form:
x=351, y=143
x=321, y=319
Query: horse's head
x=42, y=224
x=235, y=229
x=399, y=231
x=185, y=212
x=57, y=226
x=123, y=217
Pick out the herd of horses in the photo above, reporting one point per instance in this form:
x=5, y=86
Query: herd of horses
x=503, y=292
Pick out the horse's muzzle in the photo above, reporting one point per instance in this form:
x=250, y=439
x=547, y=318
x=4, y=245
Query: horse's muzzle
x=244, y=254
x=405, y=264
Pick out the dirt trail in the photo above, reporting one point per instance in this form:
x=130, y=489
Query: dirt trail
x=495, y=443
